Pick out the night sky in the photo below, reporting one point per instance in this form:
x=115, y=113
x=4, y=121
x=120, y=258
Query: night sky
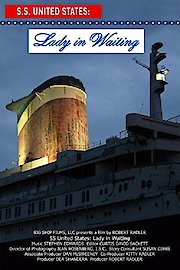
x=114, y=83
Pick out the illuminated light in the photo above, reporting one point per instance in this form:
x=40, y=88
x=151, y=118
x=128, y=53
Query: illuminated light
x=13, y=162
x=160, y=77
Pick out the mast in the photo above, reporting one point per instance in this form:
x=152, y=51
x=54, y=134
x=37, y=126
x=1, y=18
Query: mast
x=157, y=81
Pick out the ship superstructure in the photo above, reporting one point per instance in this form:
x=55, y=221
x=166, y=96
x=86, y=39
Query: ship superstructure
x=132, y=177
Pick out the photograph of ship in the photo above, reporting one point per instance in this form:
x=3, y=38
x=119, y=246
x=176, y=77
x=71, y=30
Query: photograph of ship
x=61, y=182
x=53, y=175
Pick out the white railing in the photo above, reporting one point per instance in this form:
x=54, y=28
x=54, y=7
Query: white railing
x=121, y=135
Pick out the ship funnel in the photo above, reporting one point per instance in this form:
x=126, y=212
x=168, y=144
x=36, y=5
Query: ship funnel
x=51, y=119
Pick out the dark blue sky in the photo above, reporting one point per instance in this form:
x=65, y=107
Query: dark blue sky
x=114, y=83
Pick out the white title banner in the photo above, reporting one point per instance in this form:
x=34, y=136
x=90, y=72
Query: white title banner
x=86, y=41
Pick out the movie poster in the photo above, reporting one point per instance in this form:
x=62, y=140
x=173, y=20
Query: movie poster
x=90, y=133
